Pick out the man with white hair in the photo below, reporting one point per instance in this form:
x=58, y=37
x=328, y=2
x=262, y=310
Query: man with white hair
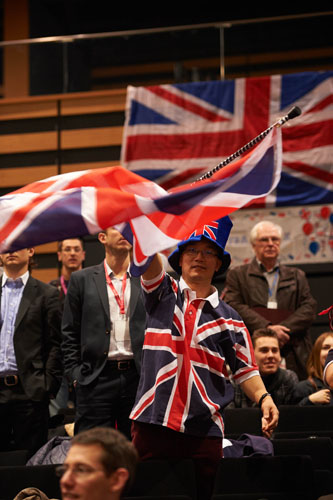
x=267, y=293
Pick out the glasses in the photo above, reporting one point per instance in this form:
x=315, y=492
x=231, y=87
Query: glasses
x=274, y=240
x=79, y=471
x=194, y=252
x=72, y=249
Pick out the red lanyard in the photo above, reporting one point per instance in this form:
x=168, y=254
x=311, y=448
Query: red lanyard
x=63, y=285
x=120, y=300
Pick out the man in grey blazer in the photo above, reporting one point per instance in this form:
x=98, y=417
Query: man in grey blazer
x=103, y=330
x=30, y=357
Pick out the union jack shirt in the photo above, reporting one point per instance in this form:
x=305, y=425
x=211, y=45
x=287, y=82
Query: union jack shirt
x=189, y=342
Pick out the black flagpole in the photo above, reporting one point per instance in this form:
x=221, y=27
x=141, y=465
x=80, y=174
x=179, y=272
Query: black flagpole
x=295, y=111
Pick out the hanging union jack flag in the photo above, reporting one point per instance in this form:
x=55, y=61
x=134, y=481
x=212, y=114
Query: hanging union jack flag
x=174, y=133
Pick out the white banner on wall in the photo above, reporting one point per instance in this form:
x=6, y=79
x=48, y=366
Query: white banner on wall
x=308, y=233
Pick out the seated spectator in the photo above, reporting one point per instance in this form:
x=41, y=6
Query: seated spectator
x=313, y=390
x=279, y=382
x=269, y=294
x=99, y=465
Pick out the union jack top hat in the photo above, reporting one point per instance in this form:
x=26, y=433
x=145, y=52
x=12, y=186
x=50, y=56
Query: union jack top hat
x=217, y=232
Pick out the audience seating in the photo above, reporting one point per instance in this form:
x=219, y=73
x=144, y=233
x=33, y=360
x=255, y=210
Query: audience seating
x=164, y=478
x=258, y=496
x=304, y=421
x=294, y=422
x=320, y=449
x=13, y=479
x=159, y=497
x=14, y=457
x=301, y=468
x=239, y=421
x=277, y=477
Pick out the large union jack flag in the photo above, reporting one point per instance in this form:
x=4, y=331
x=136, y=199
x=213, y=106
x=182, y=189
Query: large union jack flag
x=188, y=343
x=173, y=133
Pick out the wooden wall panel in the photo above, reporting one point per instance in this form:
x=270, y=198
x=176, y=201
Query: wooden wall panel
x=16, y=177
x=47, y=248
x=18, y=143
x=16, y=62
x=91, y=138
x=94, y=102
x=15, y=109
x=45, y=275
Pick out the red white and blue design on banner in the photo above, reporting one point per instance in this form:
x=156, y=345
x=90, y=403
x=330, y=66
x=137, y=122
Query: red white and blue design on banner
x=81, y=203
x=174, y=133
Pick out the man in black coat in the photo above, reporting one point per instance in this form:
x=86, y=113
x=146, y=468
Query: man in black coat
x=30, y=358
x=103, y=330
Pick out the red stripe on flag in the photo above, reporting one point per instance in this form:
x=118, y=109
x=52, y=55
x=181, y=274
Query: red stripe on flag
x=20, y=214
x=324, y=103
x=182, y=146
x=314, y=172
x=313, y=135
x=182, y=177
x=148, y=401
x=257, y=104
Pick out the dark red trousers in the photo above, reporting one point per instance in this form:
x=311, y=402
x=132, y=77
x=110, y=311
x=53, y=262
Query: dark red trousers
x=156, y=441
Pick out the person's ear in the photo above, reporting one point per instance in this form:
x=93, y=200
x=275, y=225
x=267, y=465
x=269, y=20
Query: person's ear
x=101, y=237
x=218, y=264
x=118, y=480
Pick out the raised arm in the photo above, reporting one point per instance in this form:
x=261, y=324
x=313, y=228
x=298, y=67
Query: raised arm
x=155, y=268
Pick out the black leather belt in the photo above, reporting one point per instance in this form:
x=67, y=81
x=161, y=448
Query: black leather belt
x=122, y=365
x=10, y=380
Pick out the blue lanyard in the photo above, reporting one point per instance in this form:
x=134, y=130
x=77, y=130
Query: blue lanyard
x=274, y=285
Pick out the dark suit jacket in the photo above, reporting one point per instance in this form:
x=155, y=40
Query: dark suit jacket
x=37, y=340
x=86, y=324
x=246, y=288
